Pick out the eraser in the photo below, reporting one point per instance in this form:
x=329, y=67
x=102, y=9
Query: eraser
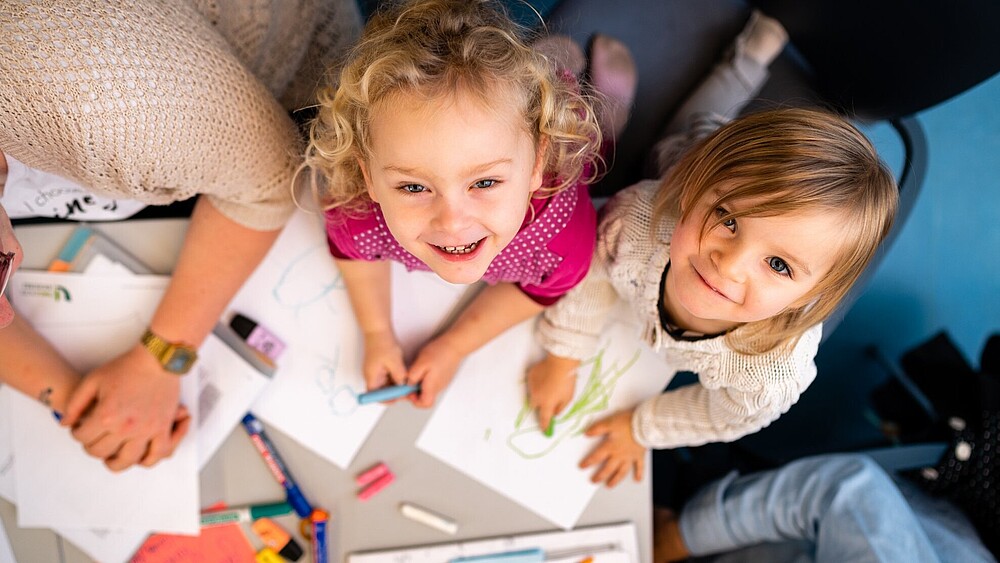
x=376, y=486
x=372, y=474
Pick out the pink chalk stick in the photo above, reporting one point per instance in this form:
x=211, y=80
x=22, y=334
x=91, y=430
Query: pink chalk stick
x=371, y=474
x=376, y=486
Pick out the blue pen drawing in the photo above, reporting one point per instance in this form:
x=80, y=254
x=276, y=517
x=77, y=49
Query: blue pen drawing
x=531, y=443
x=342, y=399
x=298, y=286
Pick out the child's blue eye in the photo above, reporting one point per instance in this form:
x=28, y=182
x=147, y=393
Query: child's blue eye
x=779, y=266
x=412, y=188
x=728, y=223
x=484, y=184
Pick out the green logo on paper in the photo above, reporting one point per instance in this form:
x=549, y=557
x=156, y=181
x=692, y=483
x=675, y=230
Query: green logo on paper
x=61, y=293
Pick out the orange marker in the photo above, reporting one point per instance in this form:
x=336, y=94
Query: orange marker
x=276, y=538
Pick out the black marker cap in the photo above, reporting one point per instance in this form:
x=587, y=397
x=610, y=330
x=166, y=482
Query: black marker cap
x=242, y=325
x=292, y=551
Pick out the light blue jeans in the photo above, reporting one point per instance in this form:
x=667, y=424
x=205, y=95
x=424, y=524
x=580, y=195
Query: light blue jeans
x=833, y=508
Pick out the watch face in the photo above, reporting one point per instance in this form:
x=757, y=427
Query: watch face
x=180, y=361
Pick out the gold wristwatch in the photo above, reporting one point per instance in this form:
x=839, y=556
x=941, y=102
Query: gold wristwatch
x=175, y=357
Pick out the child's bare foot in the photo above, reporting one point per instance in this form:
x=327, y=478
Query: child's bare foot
x=668, y=545
x=614, y=78
x=563, y=52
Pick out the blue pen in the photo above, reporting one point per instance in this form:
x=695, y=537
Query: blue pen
x=274, y=462
x=387, y=394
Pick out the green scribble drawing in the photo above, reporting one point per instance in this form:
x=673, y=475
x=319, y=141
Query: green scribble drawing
x=531, y=443
x=487, y=434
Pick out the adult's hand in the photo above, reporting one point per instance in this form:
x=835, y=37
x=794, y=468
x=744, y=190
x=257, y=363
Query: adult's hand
x=126, y=411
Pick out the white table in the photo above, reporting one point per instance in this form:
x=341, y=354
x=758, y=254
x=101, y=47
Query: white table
x=237, y=475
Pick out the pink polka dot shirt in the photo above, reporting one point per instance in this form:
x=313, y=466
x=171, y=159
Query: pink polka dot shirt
x=546, y=258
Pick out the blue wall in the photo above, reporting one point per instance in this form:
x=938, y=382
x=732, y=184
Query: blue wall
x=943, y=272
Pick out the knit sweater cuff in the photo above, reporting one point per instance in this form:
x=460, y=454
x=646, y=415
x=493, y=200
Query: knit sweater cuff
x=565, y=342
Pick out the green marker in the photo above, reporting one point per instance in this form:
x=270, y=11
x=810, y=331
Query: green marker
x=551, y=429
x=244, y=514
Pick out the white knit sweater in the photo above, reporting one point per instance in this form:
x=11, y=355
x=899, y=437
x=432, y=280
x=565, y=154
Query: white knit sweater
x=738, y=393
x=159, y=101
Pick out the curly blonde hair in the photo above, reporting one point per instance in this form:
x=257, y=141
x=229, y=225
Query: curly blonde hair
x=432, y=48
x=788, y=160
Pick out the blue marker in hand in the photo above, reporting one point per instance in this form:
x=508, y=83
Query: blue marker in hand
x=387, y=394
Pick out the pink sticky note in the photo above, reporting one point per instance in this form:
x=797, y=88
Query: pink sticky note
x=216, y=544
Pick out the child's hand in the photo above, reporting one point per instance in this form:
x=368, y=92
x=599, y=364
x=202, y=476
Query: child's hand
x=383, y=363
x=551, y=383
x=433, y=369
x=619, y=453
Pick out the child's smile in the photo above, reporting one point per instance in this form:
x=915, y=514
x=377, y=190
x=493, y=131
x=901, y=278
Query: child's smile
x=748, y=269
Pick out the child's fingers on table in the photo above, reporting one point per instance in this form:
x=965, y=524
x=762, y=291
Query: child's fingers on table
x=397, y=370
x=545, y=414
x=599, y=455
x=608, y=472
x=598, y=428
x=640, y=465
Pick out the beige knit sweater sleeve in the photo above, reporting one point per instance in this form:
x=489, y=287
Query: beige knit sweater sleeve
x=736, y=394
x=572, y=326
x=143, y=100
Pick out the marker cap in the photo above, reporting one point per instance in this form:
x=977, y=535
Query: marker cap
x=267, y=510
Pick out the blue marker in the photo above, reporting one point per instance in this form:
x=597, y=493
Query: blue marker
x=387, y=394
x=274, y=462
x=318, y=539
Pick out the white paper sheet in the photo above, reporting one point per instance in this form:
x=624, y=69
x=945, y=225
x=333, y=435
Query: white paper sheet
x=613, y=543
x=227, y=387
x=298, y=295
x=483, y=429
x=89, y=320
x=104, y=545
x=58, y=485
x=74, y=312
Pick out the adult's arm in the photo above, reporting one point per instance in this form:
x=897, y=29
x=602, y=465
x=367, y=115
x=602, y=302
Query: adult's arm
x=133, y=399
x=170, y=113
x=31, y=366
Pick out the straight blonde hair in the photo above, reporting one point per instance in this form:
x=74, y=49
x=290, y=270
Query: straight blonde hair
x=787, y=160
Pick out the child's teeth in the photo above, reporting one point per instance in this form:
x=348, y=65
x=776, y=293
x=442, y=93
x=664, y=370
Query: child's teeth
x=460, y=249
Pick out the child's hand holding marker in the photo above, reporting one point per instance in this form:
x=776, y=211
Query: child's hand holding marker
x=551, y=384
x=433, y=369
x=383, y=361
x=387, y=394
